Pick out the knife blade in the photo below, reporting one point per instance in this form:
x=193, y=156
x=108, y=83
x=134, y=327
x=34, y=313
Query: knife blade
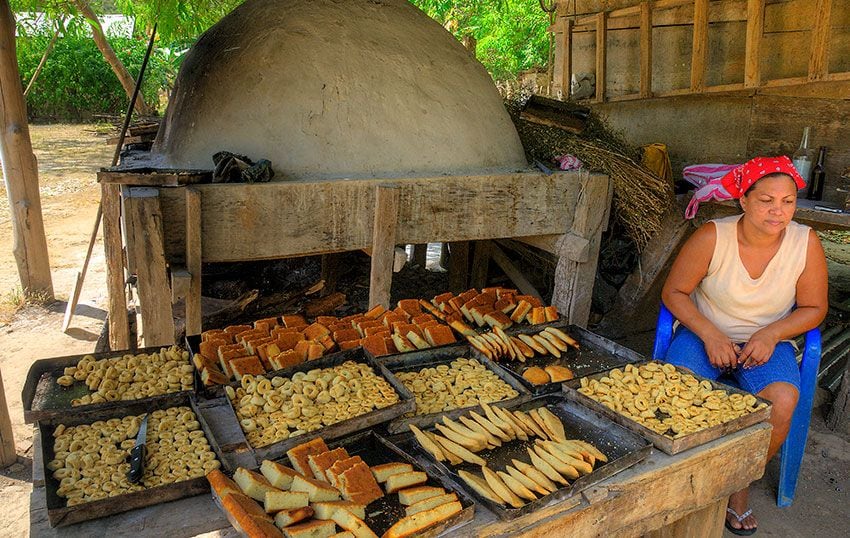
x=137, y=454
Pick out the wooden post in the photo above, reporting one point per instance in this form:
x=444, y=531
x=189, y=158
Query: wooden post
x=819, y=50
x=458, y=266
x=387, y=199
x=143, y=218
x=601, y=59
x=839, y=416
x=645, y=49
x=574, y=280
x=752, y=56
x=480, y=264
x=8, y=456
x=699, y=53
x=567, y=65
x=193, y=261
x=420, y=254
x=20, y=169
x=119, y=328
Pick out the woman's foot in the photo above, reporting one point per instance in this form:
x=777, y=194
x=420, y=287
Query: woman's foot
x=739, y=517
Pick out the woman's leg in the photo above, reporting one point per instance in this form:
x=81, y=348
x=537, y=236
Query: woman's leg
x=778, y=380
x=687, y=351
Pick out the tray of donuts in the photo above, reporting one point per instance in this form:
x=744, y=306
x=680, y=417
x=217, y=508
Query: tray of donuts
x=673, y=408
x=87, y=459
x=330, y=397
x=93, y=382
x=544, y=356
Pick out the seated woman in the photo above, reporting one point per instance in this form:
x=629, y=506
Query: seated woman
x=741, y=287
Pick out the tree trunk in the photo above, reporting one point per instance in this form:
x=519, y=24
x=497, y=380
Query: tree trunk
x=124, y=76
x=43, y=61
x=20, y=169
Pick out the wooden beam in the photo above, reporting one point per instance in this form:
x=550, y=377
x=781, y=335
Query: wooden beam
x=574, y=280
x=420, y=254
x=480, y=264
x=8, y=456
x=752, y=54
x=514, y=273
x=20, y=170
x=819, y=50
x=144, y=241
x=458, y=266
x=194, y=255
x=699, y=52
x=147, y=177
x=645, y=49
x=387, y=199
x=567, y=64
x=119, y=324
x=318, y=217
x=601, y=54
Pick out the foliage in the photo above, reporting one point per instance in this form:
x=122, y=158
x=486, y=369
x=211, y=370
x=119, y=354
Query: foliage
x=76, y=81
x=511, y=34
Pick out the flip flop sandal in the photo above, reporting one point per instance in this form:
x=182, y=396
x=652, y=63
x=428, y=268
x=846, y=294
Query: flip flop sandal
x=742, y=531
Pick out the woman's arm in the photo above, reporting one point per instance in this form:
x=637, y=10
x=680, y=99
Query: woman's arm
x=687, y=272
x=812, y=306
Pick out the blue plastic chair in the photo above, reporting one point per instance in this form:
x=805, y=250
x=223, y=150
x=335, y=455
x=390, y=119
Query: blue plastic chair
x=792, y=450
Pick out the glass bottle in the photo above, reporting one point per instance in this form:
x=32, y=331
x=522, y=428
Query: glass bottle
x=802, y=158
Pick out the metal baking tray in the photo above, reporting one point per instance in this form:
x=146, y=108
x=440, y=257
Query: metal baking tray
x=622, y=447
x=405, y=404
x=665, y=443
x=597, y=354
x=43, y=399
x=445, y=355
x=60, y=515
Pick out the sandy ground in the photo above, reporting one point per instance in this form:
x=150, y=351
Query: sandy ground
x=68, y=158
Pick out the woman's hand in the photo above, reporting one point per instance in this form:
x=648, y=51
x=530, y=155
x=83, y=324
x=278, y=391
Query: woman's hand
x=759, y=349
x=722, y=353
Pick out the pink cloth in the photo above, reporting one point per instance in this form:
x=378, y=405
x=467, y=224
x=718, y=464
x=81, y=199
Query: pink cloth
x=706, y=177
x=568, y=162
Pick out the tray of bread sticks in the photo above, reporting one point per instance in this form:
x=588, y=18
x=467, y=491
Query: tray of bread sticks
x=331, y=396
x=544, y=356
x=445, y=381
x=671, y=407
x=87, y=458
x=93, y=382
x=361, y=484
x=519, y=459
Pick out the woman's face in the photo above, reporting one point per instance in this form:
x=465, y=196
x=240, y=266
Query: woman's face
x=770, y=203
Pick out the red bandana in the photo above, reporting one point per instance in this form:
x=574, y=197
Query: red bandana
x=739, y=180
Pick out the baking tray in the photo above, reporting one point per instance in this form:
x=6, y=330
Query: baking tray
x=664, y=443
x=405, y=404
x=60, y=515
x=43, y=399
x=622, y=447
x=445, y=355
x=597, y=354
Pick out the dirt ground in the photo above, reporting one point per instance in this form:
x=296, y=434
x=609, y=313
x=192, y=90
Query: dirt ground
x=69, y=156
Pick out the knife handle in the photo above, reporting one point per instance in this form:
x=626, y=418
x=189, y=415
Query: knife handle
x=137, y=464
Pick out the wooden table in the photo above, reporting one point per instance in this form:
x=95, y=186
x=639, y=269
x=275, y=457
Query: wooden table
x=681, y=495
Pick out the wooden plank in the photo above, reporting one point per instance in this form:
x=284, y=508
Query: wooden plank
x=678, y=15
x=567, y=58
x=152, y=178
x=819, y=50
x=144, y=241
x=420, y=254
x=119, y=325
x=699, y=51
x=20, y=170
x=601, y=54
x=706, y=522
x=458, y=266
x=752, y=54
x=194, y=255
x=574, y=280
x=383, y=244
x=514, y=273
x=645, y=49
x=180, y=282
x=8, y=456
x=480, y=264
x=317, y=217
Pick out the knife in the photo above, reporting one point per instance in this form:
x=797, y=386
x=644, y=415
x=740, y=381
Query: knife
x=137, y=454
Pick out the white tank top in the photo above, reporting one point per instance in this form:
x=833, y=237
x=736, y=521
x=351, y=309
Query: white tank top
x=738, y=304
